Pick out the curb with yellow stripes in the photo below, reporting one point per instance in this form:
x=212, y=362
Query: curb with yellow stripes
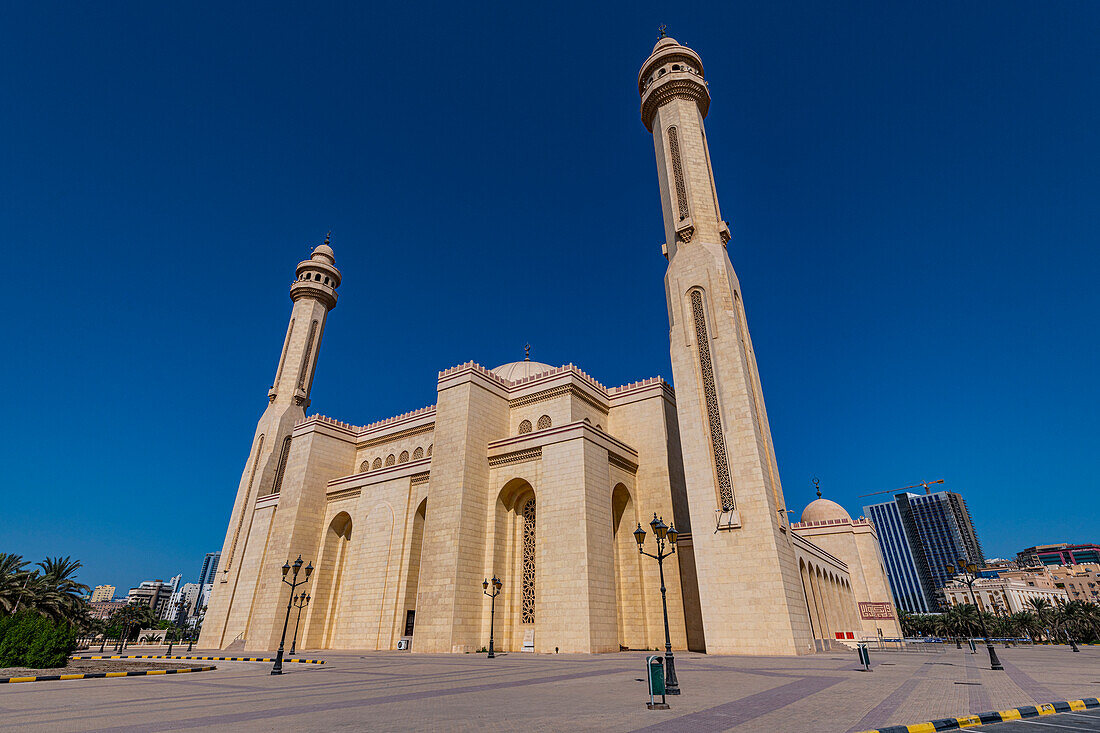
x=101, y=675
x=1001, y=716
x=214, y=659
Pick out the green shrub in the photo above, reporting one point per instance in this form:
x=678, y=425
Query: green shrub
x=30, y=640
x=51, y=648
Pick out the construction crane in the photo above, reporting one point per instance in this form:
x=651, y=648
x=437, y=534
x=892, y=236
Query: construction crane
x=924, y=484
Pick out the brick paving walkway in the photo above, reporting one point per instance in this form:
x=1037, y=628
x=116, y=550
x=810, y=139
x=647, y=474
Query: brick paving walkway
x=395, y=691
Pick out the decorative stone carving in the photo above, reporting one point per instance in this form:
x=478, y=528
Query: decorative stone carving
x=710, y=393
x=544, y=422
x=418, y=453
x=678, y=174
x=528, y=610
x=525, y=427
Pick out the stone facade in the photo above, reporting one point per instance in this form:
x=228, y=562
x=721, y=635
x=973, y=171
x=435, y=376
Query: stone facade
x=539, y=475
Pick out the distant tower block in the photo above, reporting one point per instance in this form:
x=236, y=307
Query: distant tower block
x=314, y=295
x=751, y=593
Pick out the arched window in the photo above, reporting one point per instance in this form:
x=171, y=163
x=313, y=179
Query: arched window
x=529, y=561
x=429, y=453
x=418, y=453
x=377, y=464
x=404, y=457
x=390, y=459
x=544, y=422
x=364, y=467
x=525, y=427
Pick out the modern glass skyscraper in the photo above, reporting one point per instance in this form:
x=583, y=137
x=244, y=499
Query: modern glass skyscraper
x=206, y=575
x=920, y=535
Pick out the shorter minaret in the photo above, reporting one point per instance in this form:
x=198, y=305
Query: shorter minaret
x=314, y=295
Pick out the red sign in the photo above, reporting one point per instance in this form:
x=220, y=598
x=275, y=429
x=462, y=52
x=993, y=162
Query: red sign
x=874, y=611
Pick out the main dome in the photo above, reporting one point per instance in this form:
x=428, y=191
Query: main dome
x=822, y=510
x=516, y=370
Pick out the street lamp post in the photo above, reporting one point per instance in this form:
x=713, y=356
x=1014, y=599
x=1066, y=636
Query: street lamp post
x=300, y=601
x=968, y=573
x=663, y=534
x=492, y=607
x=293, y=583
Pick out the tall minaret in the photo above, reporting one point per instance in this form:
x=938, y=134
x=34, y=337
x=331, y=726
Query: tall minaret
x=750, y=587
x=314, y=295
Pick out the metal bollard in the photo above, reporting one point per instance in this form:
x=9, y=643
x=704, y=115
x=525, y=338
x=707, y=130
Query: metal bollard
x=864, y=656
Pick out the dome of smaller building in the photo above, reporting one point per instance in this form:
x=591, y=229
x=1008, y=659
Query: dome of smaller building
x=821, y=510
x=664, y=42
x=517, y=370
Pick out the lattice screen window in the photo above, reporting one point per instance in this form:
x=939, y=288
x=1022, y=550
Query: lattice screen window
x=280, y=471
x=305, y=355
x=710, y=392
x=390, y=460
x=418, y=453
x=529, y=562
x=429, y=453
x=678, y=172
x=377, y=463
x=544, y=422
x=404, y=457
x=364, y=466
x=525, y=427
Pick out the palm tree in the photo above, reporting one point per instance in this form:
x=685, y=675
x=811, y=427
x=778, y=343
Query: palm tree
x=1024, y=622
x=967, y=618
x=14, y=581
x=58, y=595
x=1044, y=614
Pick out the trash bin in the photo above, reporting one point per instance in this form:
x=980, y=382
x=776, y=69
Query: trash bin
x=655, y=675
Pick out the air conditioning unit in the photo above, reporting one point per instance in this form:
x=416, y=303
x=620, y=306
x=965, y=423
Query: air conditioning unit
x=403, y=644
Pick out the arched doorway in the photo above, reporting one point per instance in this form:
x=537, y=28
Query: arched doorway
x=412, y=578
x=515, y=560
x=327, y=590
x=631, y=614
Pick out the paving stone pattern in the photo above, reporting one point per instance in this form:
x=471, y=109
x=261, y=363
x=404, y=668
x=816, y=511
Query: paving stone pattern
x=467, y=692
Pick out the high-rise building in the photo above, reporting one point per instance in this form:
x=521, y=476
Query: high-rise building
x=102, y=593
x=206, y=575
x=189, y=594
x=209, y=567
x=920, y=535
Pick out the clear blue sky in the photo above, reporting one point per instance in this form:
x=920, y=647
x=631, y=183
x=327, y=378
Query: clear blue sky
x=913, y=190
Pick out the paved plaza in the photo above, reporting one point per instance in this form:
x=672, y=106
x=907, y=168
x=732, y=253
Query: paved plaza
x=401, y=691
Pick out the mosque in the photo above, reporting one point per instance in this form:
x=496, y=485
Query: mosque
x=539, y=474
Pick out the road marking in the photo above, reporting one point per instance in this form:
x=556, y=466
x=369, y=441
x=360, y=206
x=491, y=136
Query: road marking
x=1054, y=725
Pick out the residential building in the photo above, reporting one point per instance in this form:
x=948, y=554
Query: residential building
x=155, y=594
x=1059, y=554
x=102, y=593
x=189, y=594
x=920, y=535
x=998, y=595
x=1081, y=582
x=103, y=609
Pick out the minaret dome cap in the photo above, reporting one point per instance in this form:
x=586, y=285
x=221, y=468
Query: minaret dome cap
x=324, y=253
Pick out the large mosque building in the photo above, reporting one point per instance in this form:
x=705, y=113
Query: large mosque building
x=539, y=474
